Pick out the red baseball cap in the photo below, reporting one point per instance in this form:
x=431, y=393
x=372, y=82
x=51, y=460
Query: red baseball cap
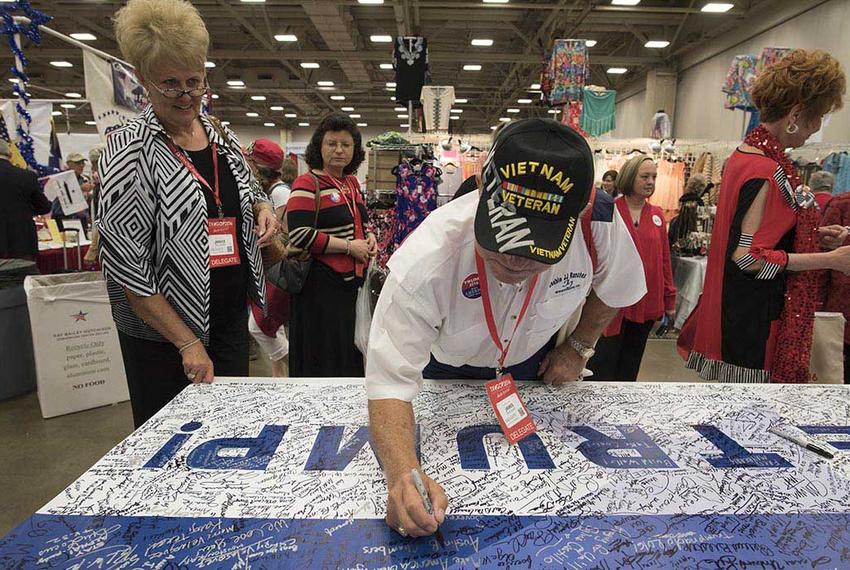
x=267, y=153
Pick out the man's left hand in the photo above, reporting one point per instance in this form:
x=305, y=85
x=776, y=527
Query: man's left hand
x=267, y=225
x=832, y=237
x=562, y=364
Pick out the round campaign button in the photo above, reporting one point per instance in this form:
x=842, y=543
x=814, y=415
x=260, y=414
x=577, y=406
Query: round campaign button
x=470, y=287
x=656, y=219
x=335, y=197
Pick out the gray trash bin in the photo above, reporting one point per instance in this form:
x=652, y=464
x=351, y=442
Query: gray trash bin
x=17, y=364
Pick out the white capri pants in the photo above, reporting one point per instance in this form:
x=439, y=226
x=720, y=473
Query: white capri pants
x=276, y=347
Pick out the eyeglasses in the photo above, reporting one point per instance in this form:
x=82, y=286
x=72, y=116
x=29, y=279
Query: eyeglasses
x=175, y=93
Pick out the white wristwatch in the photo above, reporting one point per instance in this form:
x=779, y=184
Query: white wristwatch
x=583, y=350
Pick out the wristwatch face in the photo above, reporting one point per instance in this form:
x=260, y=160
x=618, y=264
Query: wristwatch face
x=586, y=353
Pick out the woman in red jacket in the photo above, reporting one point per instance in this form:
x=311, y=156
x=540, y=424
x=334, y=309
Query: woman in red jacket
x=620, y=350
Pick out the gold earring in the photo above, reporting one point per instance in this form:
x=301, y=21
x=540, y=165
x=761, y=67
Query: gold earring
x=792, y=128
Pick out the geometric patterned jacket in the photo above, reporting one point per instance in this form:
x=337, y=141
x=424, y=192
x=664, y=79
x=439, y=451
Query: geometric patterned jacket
x=153, y=225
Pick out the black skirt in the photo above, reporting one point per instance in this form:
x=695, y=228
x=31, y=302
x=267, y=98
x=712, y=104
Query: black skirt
x=321, y=327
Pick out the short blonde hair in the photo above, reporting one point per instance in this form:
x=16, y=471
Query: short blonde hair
x=625, y=182
x=153, y=31
x=811, y=78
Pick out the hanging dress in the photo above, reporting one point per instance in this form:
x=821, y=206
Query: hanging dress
x=597, y=115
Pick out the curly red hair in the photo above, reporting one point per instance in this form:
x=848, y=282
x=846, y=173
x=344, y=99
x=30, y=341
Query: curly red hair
x=811, y=78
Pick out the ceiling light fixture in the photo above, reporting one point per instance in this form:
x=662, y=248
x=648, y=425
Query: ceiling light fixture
x=73, y=95
x=91, y=123
x=391, y=84
x=268, y=124
x=286, y=38
x=392, y=98
x=337, y=97
x=381, y=39
x=370, y=2
x=399, y=109
x=656, y=44
x=235, y=83
x=14, y=80
x=454, y=118
x=461, y=101
x=354, y=116
x=617, y=70
x=625, y=2
x=404, y=125
x=456, y=111
x=325, y=83
x=495, y=1
x=209, y=64
x=326, y=88
x=493, y=128
x=347, y=109
x=362, y=124
x=252, y=114
x=513, y=111
x=386, y=66
x=61, y=64
x=290, y=115
x=524, y=101
x=482, y=42
x=717, y=7
x=214, y=96
x=403, y=116
x=276, y=108
x=310, y=65
x=590, y=43
x=258, y=97
x=303, y=124
x=534, y=87
x=225, y=123
x=553, y=111
x=84, y=37
x=505, y=119
x=253, y=1
x=57, y=113
x=68, y=106
x=472, y=67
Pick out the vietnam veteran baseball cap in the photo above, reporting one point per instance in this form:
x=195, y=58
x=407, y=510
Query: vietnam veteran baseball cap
x=536, y=181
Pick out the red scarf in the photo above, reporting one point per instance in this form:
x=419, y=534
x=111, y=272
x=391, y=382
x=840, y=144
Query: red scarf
x=804, y=292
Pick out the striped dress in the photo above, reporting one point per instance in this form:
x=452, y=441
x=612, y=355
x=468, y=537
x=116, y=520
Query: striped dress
x=322, y=316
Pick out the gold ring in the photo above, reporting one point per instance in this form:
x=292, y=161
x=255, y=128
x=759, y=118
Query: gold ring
x=401, y=530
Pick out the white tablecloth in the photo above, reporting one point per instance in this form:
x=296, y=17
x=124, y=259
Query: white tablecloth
x=689, y=276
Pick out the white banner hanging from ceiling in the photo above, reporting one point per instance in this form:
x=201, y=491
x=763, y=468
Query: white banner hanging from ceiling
x=41, y=113
x=101, y=92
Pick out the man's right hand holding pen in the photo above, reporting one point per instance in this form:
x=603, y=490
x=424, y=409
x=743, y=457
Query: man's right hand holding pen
x=406, y=512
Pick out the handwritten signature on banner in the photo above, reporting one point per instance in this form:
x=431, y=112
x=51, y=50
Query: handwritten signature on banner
x=640, y=476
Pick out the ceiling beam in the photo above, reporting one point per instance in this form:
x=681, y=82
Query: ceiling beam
x=380, y=56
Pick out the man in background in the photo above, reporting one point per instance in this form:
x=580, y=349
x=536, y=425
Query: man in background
x=22, y=198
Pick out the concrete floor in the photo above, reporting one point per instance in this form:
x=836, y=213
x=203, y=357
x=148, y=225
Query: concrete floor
x=39, y=458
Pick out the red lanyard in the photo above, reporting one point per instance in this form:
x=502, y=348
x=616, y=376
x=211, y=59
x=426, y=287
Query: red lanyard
x=216, y=192
x=488, y=310
x=351, y=205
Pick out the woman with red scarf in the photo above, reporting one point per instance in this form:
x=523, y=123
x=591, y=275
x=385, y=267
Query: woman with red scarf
x=755, y=318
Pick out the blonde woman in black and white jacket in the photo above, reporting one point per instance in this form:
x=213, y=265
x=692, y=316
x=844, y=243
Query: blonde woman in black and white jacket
x=180, y=244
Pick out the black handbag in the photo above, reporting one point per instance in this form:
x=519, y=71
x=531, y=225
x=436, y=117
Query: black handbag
x=291, y=272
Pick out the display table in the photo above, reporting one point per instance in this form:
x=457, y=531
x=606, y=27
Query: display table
x=52, y=260
x=280, y=474
x=689, y=276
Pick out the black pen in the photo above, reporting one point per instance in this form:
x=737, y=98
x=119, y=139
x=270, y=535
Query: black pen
x=813, y=447
x=423, y=492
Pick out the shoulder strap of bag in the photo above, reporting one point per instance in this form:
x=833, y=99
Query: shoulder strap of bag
x=318, y=200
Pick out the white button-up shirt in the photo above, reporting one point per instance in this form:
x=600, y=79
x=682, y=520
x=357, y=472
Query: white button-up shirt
x=431, y=302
